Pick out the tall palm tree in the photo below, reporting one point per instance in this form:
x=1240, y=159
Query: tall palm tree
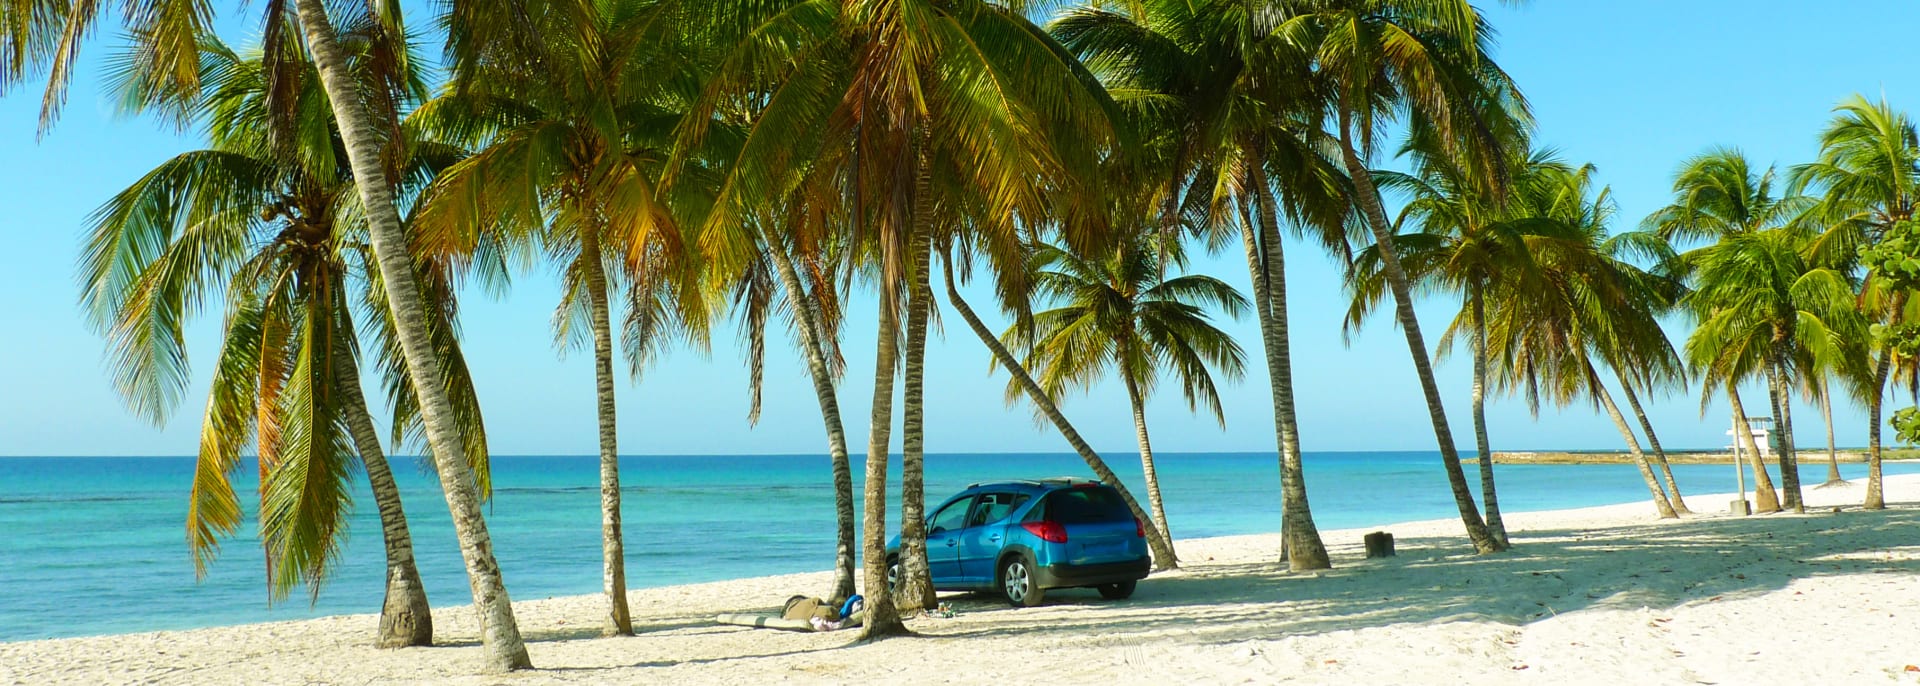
x=869, y=103
x=267, y=214
x=1868, y=178
x=1428, y=61
x=1765, y=306
x=571, y=134
x=1119, y=314
x=1226, y=125
x=1716, y=194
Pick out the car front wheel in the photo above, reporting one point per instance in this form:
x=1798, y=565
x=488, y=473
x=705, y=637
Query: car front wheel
x=1017, y=582
x=1119, y=591
x=893, y=574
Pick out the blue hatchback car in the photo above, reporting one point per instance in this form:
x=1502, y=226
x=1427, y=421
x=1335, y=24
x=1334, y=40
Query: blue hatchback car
x=1021, y=538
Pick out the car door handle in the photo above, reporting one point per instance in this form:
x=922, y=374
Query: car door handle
x=951, y=542
x=995, y=538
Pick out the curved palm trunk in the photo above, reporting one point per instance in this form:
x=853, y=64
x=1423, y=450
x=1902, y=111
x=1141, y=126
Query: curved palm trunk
x=1653, y=441
x=813, y=346
x=1765, y=500
x=1601, y=394
x=1301, y=544
x=916, y=583
x=405, y=617
x=1146, y=457
x=882, y=619
x=1783, y=423
x=1368, y=197
x=1833, y=455
x=1495, y=525
x=613, y=549
x=499, y=632
x=1163, y=557
x=1876, y=499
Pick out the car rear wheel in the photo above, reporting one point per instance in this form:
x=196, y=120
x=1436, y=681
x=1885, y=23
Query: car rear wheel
x=1018, y=584
x=1119, y=591
x=893, y=574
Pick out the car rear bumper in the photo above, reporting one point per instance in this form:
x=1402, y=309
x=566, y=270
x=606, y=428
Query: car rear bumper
x=1067, y=576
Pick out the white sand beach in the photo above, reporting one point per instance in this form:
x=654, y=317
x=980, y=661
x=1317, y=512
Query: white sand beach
x=1604, y=595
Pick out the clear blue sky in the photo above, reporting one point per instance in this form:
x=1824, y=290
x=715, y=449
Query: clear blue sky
x=1633, y=86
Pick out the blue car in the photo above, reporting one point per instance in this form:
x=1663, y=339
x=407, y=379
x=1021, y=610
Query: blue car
x=1021, y=538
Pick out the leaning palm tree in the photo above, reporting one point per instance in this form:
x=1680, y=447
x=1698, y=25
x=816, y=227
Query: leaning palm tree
x=1716, y=194
x=47, y=35
x=871, y=103
x=571, y=132
x=1470, y=241
x=1765, y=306
x=1868, y=181
x=1429, y=62
x=1119, y=314
x=267, y=214
x=1225, y=124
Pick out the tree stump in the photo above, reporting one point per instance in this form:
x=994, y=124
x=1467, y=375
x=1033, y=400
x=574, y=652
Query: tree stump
x=1379, y=544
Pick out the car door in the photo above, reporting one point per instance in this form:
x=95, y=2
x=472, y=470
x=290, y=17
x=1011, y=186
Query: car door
x=943, y=542
x=981, y=540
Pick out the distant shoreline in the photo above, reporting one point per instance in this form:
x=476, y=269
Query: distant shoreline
x=1807, y=456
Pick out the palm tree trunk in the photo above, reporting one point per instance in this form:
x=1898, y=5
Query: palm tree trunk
x=1876, y=499
x=613, y=549
x=405, y=617
x=1302, y=546
x=1368, y=197
x=1653, y=441
x=1146, y=456
x=882, y=619
x=806, y=314
x=1833, y=455
x=1162, y=550
x=1783, y=425
x=1495, y=525
x=1765, y=500
x=499, y=632
x=916, y=583
x=1601, y=394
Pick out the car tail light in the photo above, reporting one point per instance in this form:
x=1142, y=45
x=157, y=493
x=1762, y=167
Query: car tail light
x=1049, y=531
x=1139, y=528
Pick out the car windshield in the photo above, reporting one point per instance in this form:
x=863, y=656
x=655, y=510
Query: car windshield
x=1087, y=506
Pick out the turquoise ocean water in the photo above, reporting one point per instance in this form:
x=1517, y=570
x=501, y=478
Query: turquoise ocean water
x=97, y=545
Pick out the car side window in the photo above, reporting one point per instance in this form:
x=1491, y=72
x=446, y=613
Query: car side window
x=994, y=507
x=951, y=517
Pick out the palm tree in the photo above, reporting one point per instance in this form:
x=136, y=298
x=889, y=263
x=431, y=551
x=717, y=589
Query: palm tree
x=866, y=105
x=267, y=214
x=1469, y=241
x=1119, y=314
x=1717, y=194
x=1428, y=61
x=1227, y=129
x=1764, y=305
x=572, y=132
x=1868, y=173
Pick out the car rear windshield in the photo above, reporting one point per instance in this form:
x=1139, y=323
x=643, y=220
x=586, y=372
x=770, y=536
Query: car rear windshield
x=1087, y=505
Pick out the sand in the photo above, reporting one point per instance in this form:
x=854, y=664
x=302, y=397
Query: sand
x=1604, y=595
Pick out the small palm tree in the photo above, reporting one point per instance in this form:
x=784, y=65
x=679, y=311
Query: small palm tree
x=1868, y=181
x=1764, y=306
x=1118, y=314
x=1716, y=194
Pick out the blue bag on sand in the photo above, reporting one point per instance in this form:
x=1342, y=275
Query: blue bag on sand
x=847, y=607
